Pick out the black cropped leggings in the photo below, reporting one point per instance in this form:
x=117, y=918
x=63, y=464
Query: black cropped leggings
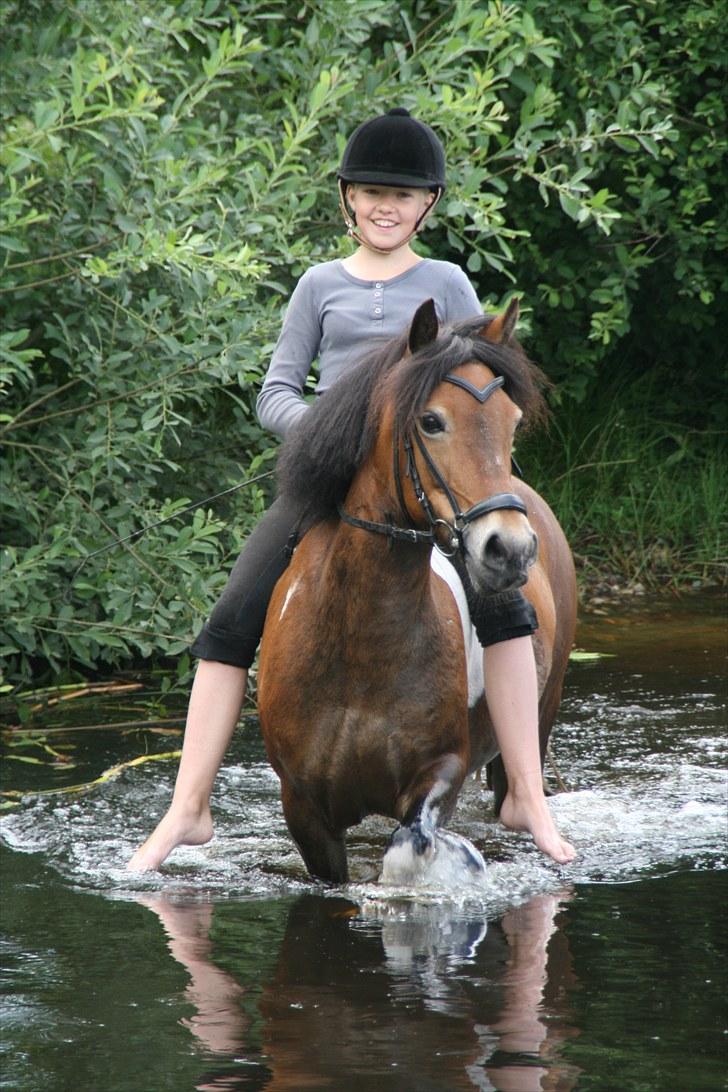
x=232, y=633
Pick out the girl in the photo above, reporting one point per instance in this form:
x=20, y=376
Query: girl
x=391, y=177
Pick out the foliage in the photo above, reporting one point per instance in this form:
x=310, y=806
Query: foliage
x=167, y=175
x=654, y=293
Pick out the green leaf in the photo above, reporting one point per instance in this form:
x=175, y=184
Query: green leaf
x=156, y=213
x=570, y=205
x=649, y=144
x=585, y=657
x=45, y=114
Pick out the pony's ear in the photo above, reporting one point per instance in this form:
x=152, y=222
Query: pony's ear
x=500, y=329
x=424, y=326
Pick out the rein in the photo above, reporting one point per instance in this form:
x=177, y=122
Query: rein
x=460, y=520
x=402, y=534
x=175, y=515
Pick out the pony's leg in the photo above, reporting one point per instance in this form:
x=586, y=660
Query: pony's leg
x=428, y=804
x=497, y=782
x=410, y=848
x=419, y=843
x=323, y=852
x=435, y=792
x=440, y=792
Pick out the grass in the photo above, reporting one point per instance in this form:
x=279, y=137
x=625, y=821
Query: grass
x=642, y=501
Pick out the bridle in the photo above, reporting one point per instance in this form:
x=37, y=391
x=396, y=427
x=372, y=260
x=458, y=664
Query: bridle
x=454, y=528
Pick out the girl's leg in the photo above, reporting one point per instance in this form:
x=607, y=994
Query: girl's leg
x=226, y=648
x=511, y=690
x=215, y=702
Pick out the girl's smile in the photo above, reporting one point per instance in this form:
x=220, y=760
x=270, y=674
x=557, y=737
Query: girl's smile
x=387, y=215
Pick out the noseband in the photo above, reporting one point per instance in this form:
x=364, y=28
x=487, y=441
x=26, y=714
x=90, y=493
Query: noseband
x=453, y=528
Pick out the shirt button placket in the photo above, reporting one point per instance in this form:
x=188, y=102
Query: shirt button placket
x=378, y=301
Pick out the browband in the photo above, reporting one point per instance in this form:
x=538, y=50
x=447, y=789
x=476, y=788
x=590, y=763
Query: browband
x=481, y=393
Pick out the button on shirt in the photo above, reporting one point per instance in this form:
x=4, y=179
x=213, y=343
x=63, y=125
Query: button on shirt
x=332, y=314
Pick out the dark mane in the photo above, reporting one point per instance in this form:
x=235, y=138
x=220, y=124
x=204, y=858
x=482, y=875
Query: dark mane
x=319, y=459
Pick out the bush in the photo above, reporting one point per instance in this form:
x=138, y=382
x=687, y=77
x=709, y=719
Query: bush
x=168, y=176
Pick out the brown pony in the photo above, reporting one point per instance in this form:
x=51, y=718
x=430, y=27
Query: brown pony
x=363, y=684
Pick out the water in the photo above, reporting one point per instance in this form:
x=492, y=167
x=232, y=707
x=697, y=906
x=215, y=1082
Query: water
x=232, y=970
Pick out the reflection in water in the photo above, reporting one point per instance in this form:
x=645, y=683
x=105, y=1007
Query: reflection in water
x=218, y=1021
x=397, y=994
x=424, y=935
x=527, y=1056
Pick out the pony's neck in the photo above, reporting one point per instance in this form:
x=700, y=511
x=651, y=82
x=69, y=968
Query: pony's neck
x=374, y=569
x=408, y=562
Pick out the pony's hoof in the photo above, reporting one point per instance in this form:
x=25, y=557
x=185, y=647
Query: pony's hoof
x=405, y=861
x=441, y=857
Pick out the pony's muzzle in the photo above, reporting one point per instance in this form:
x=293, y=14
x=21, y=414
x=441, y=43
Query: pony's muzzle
x=501, y=555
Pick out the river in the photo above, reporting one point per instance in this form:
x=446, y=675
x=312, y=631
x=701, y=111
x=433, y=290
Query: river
x=231, y=970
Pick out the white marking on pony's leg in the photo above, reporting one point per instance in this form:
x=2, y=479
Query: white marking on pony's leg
x=450, y=772
x=430, y=814
x=289, y=595
x=404, y=862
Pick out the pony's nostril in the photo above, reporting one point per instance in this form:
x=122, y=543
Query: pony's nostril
x=501, y=554
x=495, y=549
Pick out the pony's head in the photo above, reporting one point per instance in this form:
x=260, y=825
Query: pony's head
x=454, y=440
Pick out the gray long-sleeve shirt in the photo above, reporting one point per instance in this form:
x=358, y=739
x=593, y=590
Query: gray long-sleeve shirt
x=331, y=316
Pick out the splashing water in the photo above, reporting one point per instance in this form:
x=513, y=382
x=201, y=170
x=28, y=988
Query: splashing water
x=230, y=967
x=643, y=753
x=446, y=859
x=646, y=813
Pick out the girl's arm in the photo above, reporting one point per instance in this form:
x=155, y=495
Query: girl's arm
x=281, y=403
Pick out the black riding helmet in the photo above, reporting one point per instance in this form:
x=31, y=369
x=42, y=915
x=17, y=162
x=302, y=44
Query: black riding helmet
x=396, y=150
x=392, y=150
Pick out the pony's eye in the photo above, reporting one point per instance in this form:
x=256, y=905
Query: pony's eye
x=431, y=423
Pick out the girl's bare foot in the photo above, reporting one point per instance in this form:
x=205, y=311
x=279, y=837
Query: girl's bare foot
x=533, y=816
x=176, y=828
x=215, y=701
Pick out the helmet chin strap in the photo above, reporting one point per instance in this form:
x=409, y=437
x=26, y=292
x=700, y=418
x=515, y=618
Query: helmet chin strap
x=355, y=234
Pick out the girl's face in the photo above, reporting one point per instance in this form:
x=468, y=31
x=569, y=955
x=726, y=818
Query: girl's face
x=386, y=215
